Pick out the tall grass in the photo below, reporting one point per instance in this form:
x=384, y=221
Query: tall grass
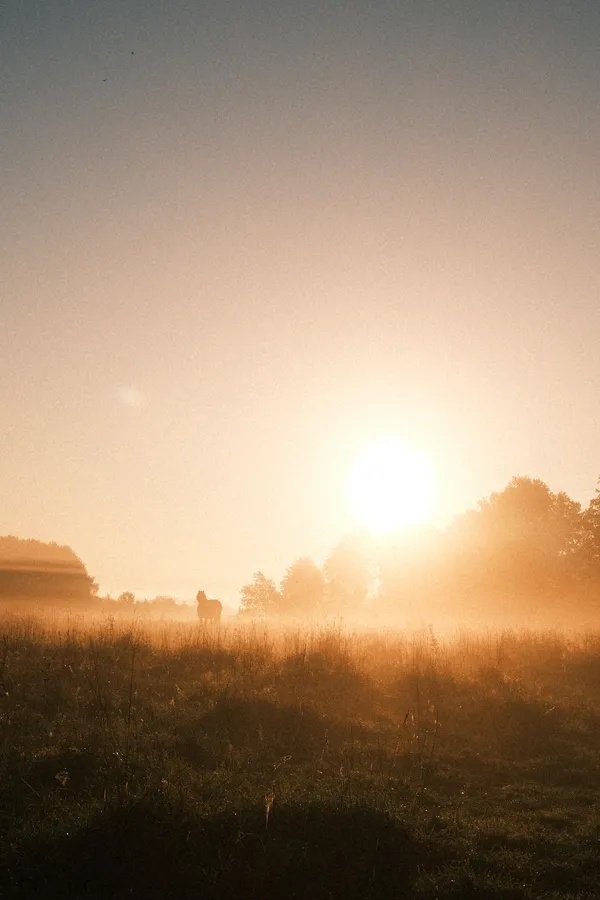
x=159, y=759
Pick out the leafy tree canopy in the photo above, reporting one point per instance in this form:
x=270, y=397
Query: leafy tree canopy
x=302, y=587
x=349, y=573
x=260, y=597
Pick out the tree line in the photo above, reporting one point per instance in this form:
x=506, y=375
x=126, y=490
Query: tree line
x=47, y=571
x=524, y=549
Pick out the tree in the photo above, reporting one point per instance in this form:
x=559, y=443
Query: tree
x=528, y=510
x=163, y=605
x=302, y=588
x=522, y=542
x=409, y=573
x=45, y=571
x=260, y=597
x=590, y=553
x=349, y=573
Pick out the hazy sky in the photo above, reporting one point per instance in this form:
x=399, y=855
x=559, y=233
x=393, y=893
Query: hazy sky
x=240, y=240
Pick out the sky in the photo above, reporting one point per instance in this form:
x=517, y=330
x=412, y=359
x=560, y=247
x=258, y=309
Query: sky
x=240, y=241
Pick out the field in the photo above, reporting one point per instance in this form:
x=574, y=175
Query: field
x=155, y=760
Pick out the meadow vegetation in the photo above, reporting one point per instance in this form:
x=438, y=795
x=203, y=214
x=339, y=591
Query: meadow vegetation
x=156, y=760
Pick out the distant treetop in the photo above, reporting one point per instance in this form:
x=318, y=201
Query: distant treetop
x=28, y=553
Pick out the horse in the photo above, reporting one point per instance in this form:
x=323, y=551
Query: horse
x=208, y=610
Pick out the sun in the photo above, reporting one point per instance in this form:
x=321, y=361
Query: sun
x=391, y=486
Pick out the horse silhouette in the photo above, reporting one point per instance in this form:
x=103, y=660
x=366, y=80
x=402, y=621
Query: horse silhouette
x=208, y=610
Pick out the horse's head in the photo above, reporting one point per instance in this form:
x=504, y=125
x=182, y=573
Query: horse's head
x=201, y=597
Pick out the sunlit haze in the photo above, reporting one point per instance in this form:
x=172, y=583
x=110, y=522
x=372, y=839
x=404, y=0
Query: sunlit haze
x=242, y=242
x=391, y=486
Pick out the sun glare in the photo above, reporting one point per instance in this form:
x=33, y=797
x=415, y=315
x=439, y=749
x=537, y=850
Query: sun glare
x=391, y=486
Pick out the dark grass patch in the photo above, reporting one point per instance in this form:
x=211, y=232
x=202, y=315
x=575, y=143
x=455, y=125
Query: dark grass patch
x=150, y=850
x=255, y=722
x=328, y=680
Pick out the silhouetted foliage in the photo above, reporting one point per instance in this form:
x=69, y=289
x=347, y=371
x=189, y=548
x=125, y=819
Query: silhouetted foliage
x=523, y=549
x=31, y=569
x=28, y=551
x=521, y=542
x=590, y=545
x=349, y=573
x=259, y=598
x=302, y=588
x=162, y=605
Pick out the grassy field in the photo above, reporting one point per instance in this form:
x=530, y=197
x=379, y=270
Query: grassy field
x=169, y=760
